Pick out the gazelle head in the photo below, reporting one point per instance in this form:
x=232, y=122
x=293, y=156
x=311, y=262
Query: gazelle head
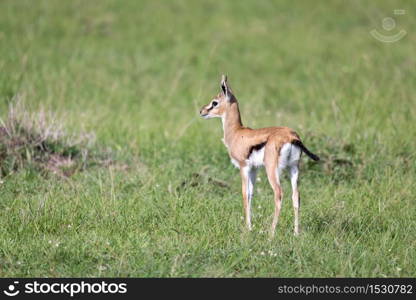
x=218, y=106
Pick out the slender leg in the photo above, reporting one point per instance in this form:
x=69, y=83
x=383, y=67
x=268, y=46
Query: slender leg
x=278, y=195
x=272, y=171
x=247, y=189
x=250, y=189
x=294, y=174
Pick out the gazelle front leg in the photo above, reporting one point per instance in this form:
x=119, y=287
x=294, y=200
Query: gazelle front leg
x=248, y=179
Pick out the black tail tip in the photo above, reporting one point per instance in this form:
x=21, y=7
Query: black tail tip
x=315, y=157
x=307, y=152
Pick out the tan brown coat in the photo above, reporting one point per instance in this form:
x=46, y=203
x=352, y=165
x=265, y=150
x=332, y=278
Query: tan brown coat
x=274, y=147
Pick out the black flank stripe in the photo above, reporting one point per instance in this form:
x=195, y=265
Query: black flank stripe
x=255, y=148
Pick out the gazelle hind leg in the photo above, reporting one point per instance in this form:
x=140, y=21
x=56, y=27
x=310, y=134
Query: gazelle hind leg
x=294, y=175
x=250, y=189
x=270, y=162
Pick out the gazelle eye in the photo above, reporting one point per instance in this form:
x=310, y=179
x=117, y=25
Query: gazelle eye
x=214, y=103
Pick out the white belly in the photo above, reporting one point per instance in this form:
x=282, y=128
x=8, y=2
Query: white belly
x=235, y=163
x=256, y=158
x=289, y=156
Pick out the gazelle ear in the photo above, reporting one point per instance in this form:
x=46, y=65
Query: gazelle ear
x=224, y=87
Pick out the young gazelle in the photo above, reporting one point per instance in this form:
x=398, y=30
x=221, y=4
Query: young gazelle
x=276, y=148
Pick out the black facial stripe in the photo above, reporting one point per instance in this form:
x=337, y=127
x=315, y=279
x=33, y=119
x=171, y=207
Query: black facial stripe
x=212, y=105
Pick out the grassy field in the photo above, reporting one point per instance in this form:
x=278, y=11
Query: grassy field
x=135, y=74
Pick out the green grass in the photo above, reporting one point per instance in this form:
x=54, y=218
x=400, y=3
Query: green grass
x=136, y=73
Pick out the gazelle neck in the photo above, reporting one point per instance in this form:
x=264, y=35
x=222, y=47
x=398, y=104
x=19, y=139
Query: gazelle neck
x=231, y=121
